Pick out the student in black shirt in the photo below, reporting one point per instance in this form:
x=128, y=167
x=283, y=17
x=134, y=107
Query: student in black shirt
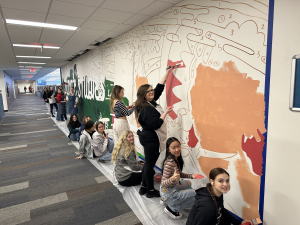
x=152, y=133
x=208, y=208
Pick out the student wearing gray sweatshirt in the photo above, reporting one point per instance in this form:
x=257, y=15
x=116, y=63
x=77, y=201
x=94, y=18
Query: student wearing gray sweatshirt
x=128, y=169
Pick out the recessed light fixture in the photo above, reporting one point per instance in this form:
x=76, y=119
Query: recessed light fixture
x=36, y=57
x=35, y=46
x=37, y=24
x=31, y=62
x=28, y=67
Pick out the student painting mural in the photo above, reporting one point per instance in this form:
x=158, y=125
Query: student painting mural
x=217, y=91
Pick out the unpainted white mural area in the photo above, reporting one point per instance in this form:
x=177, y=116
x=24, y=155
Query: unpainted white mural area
x=217, y=92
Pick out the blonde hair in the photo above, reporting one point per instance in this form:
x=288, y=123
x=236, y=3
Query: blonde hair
x=125, y=144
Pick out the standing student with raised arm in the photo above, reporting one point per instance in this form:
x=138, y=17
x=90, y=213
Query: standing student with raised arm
x=153, y=131
x=120, y=110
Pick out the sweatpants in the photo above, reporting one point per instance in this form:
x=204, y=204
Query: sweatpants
x=120, y=125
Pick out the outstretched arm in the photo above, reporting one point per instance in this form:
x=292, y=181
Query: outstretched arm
x=165, y=77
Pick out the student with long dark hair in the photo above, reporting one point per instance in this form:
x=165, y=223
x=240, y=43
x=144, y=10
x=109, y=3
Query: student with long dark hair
x=120, y=110
x=84, y=121
x=176, y=194
x=127, y=169
x=45, y=95
x=153, y=131
x=60, y=99
x=52, y=100
x=74, y=126
x=208, y=208
x=101, y=144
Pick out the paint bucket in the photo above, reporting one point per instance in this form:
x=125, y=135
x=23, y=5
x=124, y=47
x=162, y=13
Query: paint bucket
x=157, y=178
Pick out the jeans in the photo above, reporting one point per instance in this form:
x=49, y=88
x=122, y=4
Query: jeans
x=108, y=154
x=178, y=198
x=51, y=107
x=75, y=136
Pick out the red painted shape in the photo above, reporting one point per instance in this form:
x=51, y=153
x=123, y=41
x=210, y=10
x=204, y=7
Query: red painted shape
x=193, y=140
x=254, y=151
x=172, y=82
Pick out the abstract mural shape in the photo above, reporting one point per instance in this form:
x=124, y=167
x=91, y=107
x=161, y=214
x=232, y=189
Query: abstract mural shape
x=193, y=140
x=225, y=106
x=254, y=150
x=172, y=82
x=139, y=81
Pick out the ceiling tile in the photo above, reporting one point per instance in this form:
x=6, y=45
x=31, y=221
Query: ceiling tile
x=65, y=20
x=91, y=32
x=24, y=35
x=137, y=19
x=24, y=51
x=132, y=6
x=94, y=3
x=55, y=37
x=111, y=15
x=123, y=28
x=70, y=9
x=171, y=1
x=110, y=34
x=156, y=8
x=99, y=25
x=30, y=5
x=23, y=15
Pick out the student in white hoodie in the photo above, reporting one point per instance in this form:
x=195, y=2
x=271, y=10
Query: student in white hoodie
x=101, y=144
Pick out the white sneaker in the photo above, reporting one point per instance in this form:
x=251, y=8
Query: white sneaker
x=162, y=203
x=173, y=215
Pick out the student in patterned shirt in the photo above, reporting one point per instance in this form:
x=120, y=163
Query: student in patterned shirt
x=176, y=193
x=208, y=208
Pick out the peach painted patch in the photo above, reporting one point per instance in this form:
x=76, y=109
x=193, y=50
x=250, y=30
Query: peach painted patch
x=139, y=81
x=207, y=164
x=225, y=107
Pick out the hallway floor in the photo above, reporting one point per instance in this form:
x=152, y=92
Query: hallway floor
x=40, y=180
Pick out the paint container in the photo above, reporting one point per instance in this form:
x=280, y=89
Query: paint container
x=157, y=178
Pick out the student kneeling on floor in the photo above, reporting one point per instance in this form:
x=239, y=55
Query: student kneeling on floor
x=101, y=144
x=128, y=169
x=85, y=142
x=177, y=194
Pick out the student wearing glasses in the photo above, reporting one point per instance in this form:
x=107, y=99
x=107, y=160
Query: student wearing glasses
x=153, y=131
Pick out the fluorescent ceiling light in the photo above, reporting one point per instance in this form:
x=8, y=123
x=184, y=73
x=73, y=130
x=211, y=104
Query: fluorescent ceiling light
x=35, y=46
x=32, y=62
x=37, y=24
x=37, y=57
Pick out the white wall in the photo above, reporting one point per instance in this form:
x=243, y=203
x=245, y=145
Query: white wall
x=282, y=200
x=22, y=85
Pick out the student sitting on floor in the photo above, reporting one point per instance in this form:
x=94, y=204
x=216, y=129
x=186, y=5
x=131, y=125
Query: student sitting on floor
x=124, y=156
x=85, y=142
x=85, y=119
x=101, y=144
x=73, y=127
x=208, y=208
x=176, y=193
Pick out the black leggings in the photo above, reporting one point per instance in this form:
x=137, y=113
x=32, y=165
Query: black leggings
x=134, y=179
x=51, y=107
x=151, y=150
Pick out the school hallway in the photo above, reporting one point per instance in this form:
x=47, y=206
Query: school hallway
x=40, y=180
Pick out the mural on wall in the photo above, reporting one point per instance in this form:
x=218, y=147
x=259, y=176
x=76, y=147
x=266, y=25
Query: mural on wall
x=217, y=91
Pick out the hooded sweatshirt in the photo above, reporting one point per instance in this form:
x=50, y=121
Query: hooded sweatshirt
x=204, y=211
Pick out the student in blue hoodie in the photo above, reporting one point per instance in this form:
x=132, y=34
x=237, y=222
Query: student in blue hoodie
x=208, y=208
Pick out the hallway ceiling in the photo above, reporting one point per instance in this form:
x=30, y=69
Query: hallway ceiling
x=96, y=20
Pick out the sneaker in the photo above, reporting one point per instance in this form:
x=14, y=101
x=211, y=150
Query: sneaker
x=143, y=190
x=101, y=161
x=153, y=194
x=172, y=214
x=52, y=115
x=162, y=203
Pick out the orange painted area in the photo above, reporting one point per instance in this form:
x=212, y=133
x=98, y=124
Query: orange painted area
x=226, y=106
x=249, y=184
x=207, y=164
x=139, y=81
